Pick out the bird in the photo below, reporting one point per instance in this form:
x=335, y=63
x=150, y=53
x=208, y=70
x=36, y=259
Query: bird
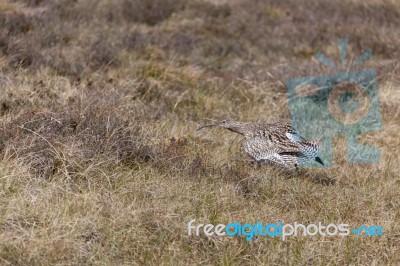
x=277, y=143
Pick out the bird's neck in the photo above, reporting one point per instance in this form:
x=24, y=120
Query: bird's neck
x=241, y=129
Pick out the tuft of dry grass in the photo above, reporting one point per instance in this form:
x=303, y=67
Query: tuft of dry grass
x=101, y=162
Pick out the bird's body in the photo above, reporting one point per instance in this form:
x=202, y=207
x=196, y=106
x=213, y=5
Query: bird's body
x=273, y=143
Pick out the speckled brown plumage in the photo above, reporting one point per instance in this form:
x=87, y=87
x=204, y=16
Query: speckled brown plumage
x=274, y=143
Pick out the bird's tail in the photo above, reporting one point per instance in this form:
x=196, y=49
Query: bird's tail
x=313, y=151
x=317, y=159
x=310, y=149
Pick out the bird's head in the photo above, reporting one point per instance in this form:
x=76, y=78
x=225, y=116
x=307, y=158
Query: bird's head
x=226, y=123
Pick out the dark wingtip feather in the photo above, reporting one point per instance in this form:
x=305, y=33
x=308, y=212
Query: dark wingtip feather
x=317, y=159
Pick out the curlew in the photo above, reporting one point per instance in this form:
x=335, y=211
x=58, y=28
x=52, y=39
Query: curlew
x=273, y=143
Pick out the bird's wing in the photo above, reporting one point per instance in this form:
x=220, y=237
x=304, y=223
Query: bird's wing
x=260, y=146
x=286, y=130
x=287, y=162
x=307, y=149
x=264, y=149
x=281, y=144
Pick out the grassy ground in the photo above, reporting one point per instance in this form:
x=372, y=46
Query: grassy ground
x=100, y=159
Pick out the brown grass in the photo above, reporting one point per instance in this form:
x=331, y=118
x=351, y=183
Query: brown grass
x=101, y=161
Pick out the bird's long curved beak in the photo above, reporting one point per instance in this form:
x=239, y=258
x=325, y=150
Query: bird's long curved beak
x=209, y=125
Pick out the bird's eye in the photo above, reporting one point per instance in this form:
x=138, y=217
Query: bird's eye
x=223, y=122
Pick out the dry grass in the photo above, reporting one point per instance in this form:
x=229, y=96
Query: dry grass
x=101, y=163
